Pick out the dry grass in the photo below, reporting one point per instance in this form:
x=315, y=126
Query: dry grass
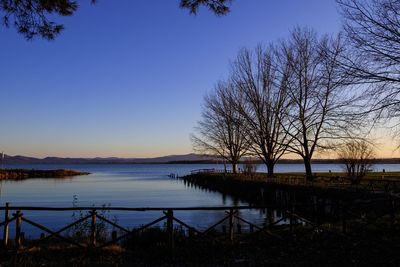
x=366, y=246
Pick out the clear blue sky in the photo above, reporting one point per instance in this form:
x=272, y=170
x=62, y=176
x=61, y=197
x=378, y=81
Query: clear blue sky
x=128, y=79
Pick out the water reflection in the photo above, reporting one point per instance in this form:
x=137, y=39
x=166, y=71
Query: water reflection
x=127, y=186
x=145, y=185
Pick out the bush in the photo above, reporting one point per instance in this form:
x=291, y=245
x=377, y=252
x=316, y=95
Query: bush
x=357, y=157
x=249, y=168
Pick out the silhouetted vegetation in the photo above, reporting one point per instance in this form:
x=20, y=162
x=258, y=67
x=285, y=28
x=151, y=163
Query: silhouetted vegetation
x=366, y=246
x=35, y=17
x=219, y=7
x=290, y=98
x=259, y=81
x=221, y=131
x=18, y=174
x=249, y=167
x=357, y=157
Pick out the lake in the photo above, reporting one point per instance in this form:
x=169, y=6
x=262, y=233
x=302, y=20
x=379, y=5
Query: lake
x=126, y=185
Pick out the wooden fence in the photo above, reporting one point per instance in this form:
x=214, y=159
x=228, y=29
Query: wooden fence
x=292, y=216
x=199, y=171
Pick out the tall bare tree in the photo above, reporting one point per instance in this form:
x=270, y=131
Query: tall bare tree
x=373, y=31
x=318, y=113
x=221, y=132
x=261, y=81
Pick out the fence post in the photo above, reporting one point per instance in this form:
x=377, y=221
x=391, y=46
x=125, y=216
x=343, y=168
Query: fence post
x=170, y=228
x=231, y=224
x=6, y=219
x=18, y=222
x=93, y=229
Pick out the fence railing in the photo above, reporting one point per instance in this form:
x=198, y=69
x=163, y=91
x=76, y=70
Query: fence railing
x=15, y=214
x=292, y=215
x=199, y=171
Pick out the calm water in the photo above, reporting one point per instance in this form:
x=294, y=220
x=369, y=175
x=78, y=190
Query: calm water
x=146, y=185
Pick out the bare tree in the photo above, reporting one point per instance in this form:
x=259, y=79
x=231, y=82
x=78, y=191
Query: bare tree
x=318, y=112
x=260, y=81
x=357, y=157
x=249, y=167
x=373, y=31
x=373, y=28
x=35, y=17
x=221, y=130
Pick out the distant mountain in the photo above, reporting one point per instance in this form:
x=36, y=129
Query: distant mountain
x=188, y=158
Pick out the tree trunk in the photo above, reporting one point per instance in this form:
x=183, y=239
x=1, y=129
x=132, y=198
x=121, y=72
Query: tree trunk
x=270, y=169
x=307, y=165
x=234, y=167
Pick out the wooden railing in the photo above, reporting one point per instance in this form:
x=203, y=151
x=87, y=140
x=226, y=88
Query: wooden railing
x=199, y=171
x=291, y=215
x=15, y=214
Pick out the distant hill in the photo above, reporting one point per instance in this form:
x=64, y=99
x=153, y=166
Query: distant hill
x=188, y=158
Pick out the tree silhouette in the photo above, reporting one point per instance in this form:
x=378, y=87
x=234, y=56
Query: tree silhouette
x=320, y=110
x=261, y=80
x=221, y=131
x=373, y=31
x=219, y=7
x=357, y=156
x=33, y=18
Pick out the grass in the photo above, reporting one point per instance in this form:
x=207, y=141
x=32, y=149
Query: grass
x=365, y=246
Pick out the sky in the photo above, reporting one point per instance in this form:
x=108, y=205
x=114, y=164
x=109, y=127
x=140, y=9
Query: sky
x=127, y=78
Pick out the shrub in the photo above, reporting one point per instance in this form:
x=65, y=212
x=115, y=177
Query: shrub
x=357, y=159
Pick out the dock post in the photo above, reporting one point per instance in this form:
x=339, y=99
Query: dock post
x=170, y=228
x=6, y=222
x=93, y=229
x=18, y=222
x=231, y=224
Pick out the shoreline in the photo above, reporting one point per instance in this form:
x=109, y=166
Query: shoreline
x=258, y=188
x=22, y=174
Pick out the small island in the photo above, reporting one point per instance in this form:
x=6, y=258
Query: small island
x=19, y=174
